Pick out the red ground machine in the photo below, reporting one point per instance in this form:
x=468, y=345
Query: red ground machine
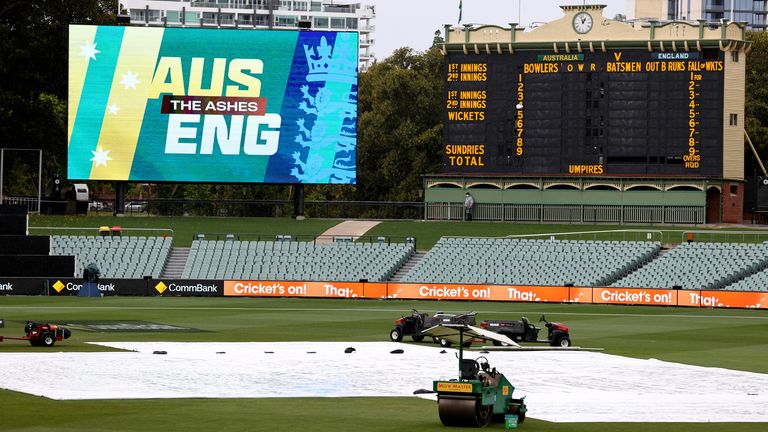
x=41, y=334
x=523, y=330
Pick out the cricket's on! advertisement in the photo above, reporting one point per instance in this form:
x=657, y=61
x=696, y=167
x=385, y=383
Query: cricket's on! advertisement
x=212, y=105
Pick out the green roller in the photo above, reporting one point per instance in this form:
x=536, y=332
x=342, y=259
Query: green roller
x=481, y=394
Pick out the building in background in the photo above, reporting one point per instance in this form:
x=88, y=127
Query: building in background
x=753, y=12
x=260, y=14
x=591, y=119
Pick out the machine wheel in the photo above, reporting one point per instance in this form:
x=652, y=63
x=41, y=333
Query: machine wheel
x=48, y=339
x=562, y=341
x=436, y=340
x=396, y=335
x=418, y=338
x=445, y=343
x=34, y=342
x=464, y=412
x=496, y=343
x=483, y=414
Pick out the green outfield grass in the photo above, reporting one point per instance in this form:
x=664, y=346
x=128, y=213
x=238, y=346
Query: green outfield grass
x=427, y=233
x=735, y=339
x=184, y=228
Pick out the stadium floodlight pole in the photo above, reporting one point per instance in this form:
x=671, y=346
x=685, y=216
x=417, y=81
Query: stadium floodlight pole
x=731, y=10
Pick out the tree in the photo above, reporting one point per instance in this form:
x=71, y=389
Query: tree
x=399, y=125
x=756, y=100
x=33, y=81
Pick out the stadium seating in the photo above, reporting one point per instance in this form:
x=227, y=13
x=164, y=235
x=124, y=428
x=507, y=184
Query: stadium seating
x=700, y=266
x=754, y=282
x=530, y=262
x=636, y=264
x=117, y=257
x=757, y=281
x=294, y=260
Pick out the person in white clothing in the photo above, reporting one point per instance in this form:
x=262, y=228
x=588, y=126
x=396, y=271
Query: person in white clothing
x=469, y=202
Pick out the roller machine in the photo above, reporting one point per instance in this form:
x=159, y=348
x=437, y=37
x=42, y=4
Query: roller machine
x=481, y=394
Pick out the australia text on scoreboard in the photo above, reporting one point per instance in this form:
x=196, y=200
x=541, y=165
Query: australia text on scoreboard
x=211, y=105
x=617, y=112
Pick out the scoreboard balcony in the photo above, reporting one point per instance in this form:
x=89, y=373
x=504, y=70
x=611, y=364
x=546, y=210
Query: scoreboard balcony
x=616, y=200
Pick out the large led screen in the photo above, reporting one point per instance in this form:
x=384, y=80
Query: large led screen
x=209, y=105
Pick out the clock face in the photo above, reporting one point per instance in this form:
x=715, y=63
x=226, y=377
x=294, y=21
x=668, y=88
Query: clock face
x=582, y=22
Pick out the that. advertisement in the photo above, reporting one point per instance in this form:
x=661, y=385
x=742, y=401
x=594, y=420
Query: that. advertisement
x=293, y=289
x=375, y=290
x=580, y=295
x=212, y=105
x=733, y=299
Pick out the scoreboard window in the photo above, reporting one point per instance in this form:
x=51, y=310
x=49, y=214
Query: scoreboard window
x=615, y=112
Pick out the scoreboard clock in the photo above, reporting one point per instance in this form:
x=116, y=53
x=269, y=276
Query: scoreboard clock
x=618, y=112
x=582, y=22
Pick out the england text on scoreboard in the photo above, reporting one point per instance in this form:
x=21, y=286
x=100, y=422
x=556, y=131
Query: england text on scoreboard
x=618, y=112
x=212, y=105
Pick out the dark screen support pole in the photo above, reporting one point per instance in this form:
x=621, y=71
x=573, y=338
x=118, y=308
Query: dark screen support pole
x=271, y=17
x=298, y=201
x=461, y=349
x=120, y=198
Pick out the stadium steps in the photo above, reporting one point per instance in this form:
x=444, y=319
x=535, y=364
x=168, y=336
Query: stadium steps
x=407, y=266
x=174, y=266
x=665, y=249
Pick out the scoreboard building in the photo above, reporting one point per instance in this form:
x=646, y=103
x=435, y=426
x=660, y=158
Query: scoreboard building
x=588, y=119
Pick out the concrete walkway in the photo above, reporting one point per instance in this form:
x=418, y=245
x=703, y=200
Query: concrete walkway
x=351, y=228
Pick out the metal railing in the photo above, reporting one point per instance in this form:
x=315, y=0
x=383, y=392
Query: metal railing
x=32, y=204
x=569, y=213
x=95, y=231
x=445, y=211
x=267, y=208
x=724, y=236
x=609, y=235
x=304, y=238
x=655, y=235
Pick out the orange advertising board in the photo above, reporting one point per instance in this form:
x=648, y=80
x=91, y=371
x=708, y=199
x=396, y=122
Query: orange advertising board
x=580, y=295
x=293, y=289
x=634, y=296
x=734, y=299
x=376, y=290
x=690, y=298
x=508, y=293
x=478, y=292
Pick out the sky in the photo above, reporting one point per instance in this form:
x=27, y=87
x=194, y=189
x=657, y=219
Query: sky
x=413, y=23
